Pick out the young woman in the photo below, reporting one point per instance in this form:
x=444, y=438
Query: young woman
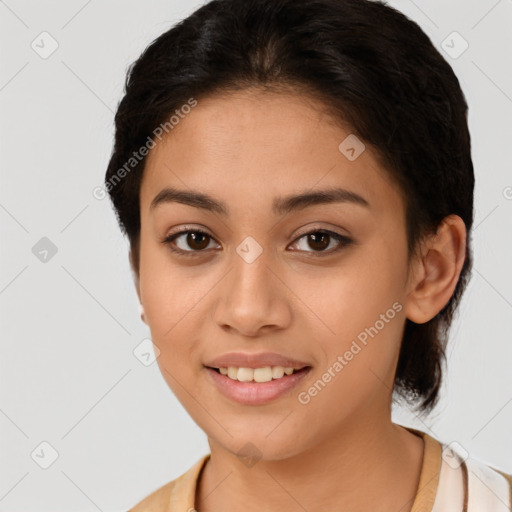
x=296, y=184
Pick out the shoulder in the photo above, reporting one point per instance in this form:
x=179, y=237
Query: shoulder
x=178, y=494
x=488, y=487
x=452, y=479
x=478, y=484
x=157, y=501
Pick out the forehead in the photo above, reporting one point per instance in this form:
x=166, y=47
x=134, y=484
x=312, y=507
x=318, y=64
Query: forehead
x=250, y=144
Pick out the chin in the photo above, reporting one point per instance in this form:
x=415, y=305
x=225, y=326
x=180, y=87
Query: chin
x=260, y=444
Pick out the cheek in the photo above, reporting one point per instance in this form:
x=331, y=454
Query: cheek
x=352, y=296
x=174, y=318
x=175, y=297
x=168, y=296
x=359, y=312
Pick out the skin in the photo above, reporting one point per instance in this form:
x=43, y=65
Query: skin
x=246, y=149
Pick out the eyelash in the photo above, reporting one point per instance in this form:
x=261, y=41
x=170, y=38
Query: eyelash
x=344, y=242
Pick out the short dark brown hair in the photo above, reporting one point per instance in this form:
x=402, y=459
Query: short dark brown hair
x=372, y=67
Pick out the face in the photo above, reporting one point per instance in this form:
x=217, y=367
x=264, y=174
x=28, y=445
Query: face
x=319, y=285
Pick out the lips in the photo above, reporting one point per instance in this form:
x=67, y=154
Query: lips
x=254, y=360
x=256, y=393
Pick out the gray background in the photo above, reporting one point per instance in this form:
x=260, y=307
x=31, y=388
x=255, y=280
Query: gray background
x=70, y=324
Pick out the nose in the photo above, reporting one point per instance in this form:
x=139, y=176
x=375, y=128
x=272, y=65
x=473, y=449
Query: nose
x=253, y=297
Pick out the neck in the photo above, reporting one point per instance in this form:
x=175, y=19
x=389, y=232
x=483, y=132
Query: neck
x=372, y=466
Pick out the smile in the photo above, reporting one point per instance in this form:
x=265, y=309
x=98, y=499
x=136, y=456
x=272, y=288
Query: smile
x=264, y=374
x=256, y=386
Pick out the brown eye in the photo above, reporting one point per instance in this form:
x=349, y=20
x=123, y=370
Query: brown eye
x=193, y=242
x=319, y=241
x=189, y=241
x=197, y=240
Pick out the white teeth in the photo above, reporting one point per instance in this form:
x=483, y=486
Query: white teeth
x=265, y=374
x=277, y=372
x=262, y=374
x=245, y=374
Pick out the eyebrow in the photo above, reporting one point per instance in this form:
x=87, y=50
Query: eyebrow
x=280, y=205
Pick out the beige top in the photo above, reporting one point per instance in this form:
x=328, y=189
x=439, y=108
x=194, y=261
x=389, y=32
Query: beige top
x=496, y=495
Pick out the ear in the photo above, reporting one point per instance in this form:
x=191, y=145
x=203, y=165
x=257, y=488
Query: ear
x=436, y=270
x=135, y=274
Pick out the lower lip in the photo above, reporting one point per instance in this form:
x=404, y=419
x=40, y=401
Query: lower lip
x=256, y=393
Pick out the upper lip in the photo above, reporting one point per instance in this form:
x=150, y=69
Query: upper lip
x=260, y=360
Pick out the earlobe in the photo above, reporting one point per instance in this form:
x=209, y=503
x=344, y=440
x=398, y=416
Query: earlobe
x=437, y=270
x=142, y=314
